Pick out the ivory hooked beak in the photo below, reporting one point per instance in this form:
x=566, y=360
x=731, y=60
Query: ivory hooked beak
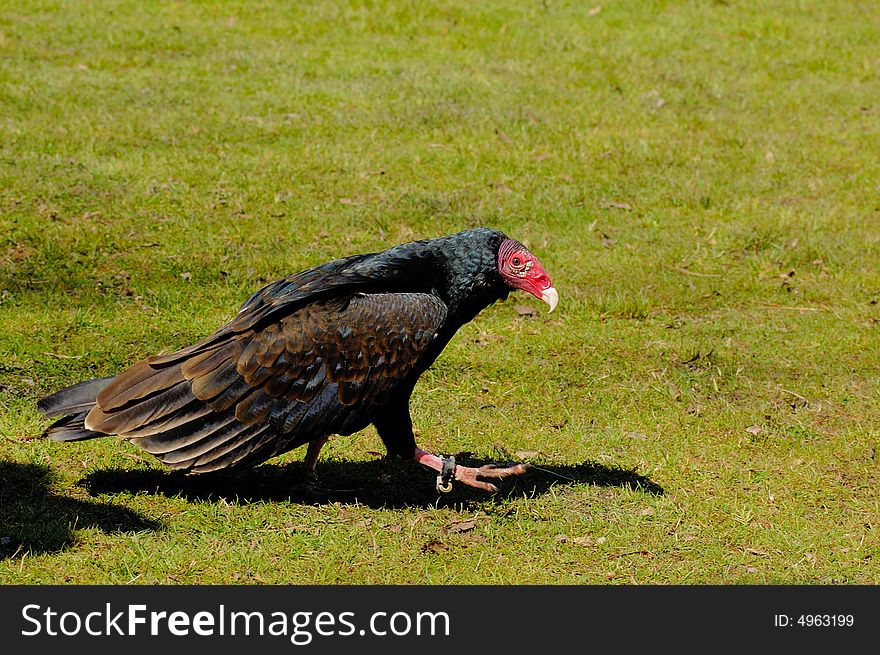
x=551, y=297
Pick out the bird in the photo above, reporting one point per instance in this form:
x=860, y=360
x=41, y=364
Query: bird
x=326, y=351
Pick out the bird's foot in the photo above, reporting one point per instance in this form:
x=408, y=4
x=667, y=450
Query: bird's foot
x=307, y=486
x=470, y=475
x=448, y=471
x=310, y=487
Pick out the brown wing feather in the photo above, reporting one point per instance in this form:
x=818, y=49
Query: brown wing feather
x=323, y=368
x=140, y=381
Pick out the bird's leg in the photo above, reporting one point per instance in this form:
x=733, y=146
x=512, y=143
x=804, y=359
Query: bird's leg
x=311, y=460
x=395, y=429
x=309, y=485
x=468, y=474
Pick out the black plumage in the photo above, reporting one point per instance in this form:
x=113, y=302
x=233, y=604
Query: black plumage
x=326, y=351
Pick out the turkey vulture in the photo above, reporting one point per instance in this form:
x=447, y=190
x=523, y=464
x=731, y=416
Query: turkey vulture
x=326, y=351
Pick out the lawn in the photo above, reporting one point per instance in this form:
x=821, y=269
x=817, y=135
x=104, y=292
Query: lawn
x=700, y=179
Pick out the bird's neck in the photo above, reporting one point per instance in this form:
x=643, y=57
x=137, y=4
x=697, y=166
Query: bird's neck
x=466, y=280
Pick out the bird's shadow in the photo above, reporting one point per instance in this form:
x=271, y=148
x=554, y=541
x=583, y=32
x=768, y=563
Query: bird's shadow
x=34, y=519
x=380, y=483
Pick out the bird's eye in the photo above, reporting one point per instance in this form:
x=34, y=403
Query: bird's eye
x=516, y=261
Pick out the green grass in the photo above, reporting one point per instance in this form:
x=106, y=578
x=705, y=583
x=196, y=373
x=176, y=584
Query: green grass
x=701, y=180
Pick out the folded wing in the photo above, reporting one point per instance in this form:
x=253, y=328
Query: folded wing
x=246, y=395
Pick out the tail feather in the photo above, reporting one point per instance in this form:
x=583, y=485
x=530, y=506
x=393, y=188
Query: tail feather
x=187, y=421
x=71, y=428
x=72, y=404
x=72, y=399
